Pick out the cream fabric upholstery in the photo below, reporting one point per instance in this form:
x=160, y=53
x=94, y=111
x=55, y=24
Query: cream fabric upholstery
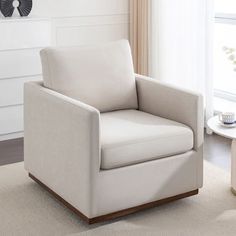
x=131, y=137
x=67, y=142
x=177, y=104
x=133, y=185
x=173, y=103
x=63, y=150
x=101, y=76
x=62, y=144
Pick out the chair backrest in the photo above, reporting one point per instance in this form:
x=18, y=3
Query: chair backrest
x=99, y=75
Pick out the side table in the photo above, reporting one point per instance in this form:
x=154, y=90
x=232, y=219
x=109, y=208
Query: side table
x=230, y=133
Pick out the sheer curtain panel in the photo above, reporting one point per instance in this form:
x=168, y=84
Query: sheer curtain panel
x=181, y=50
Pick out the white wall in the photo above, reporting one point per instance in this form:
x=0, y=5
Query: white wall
x=77, y=22
x=60, y=8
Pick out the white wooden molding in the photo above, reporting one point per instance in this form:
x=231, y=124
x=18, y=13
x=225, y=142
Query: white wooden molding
x=79, y=30
x=11, y=136
x=20, y=60
x=20, y=42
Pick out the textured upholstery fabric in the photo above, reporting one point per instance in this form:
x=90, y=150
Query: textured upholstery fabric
x=63, y=142
x=173, y=103
x=131, y=137
x=133, y=185
x=101, y=76
x=177, y=104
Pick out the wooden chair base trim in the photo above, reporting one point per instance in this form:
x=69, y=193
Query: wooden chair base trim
x=114, y=214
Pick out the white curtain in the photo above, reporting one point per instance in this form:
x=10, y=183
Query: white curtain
x=181, y=48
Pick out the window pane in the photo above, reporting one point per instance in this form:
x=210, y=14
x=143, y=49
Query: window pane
x=225, y=57
x=225, y=6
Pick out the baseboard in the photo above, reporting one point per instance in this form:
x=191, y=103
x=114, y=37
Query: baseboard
x=118, y=213
x=4, y=137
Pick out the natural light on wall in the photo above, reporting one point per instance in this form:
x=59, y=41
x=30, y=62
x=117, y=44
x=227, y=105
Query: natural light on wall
x=182, y=48
x=227, y=6
x=225, y=59
x=225, y=49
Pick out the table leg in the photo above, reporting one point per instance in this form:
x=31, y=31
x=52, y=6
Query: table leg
x=233, y=166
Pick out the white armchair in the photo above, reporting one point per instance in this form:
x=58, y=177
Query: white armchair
x=106, y=142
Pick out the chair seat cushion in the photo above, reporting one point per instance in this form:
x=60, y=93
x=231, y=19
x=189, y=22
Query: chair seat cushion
x=130, y=137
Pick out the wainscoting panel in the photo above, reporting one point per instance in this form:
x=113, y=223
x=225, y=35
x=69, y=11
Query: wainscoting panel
x=11, y=119
x=20, y=42
x=19, y=63
x=11, y=90
x=83, y=30
x=29, y=33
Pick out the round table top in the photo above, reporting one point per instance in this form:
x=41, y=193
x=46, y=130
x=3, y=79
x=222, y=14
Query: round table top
x=214, y=124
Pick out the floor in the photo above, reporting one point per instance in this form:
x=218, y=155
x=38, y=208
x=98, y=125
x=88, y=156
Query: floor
x=11, y=151
x=216, y=151
x=26, y=209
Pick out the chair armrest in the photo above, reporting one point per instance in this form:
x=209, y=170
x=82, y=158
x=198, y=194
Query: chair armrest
x=173, y=103
x=62, y=143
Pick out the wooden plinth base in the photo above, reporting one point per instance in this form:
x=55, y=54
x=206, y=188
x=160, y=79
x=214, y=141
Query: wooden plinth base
x=118, y=213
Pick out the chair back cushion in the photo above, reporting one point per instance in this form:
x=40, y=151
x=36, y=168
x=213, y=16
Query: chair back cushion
x=99, y=75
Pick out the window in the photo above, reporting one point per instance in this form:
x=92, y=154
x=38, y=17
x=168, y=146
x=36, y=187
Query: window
x=225, y=50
